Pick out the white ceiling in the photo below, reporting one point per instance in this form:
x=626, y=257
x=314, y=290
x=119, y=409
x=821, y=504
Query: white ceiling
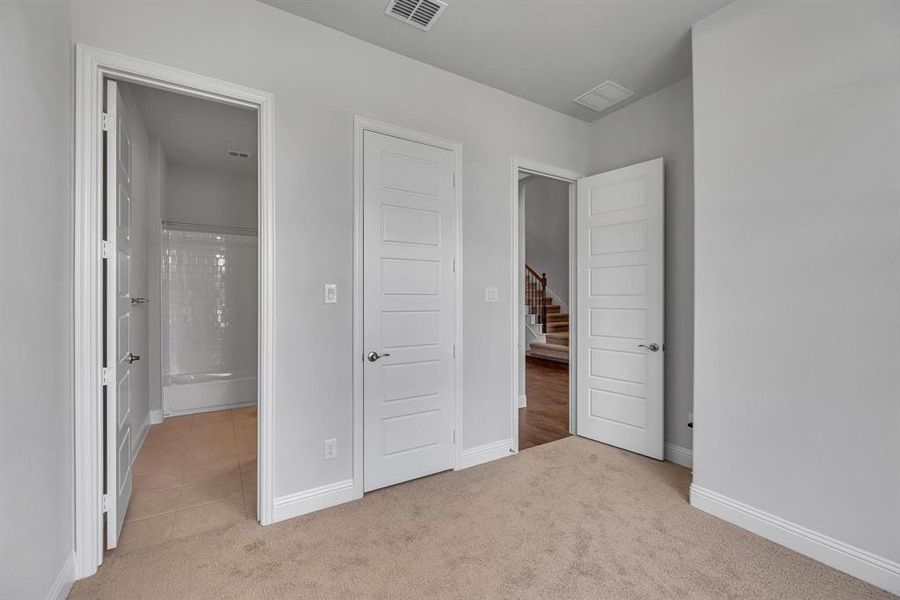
x=546, y=51
x=198, y=132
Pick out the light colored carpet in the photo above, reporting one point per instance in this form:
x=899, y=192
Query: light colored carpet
x=569, y=519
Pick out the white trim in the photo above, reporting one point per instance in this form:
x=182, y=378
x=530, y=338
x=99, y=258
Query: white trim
x=523, y=400
x=486, y=453
x=92, y=67
x=571, y=177
x=360, y=125
x=156, y=417
x=869, y=567
x=62, y=585
x=301, y=503
x=680, y=455
x=145, y=429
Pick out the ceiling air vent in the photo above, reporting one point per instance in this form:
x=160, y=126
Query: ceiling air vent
x=603, y=96
x=418, y=13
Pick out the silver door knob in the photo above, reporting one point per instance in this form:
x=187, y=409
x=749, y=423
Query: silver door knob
x=373, y=356
x=652, y=347
x=132, y=357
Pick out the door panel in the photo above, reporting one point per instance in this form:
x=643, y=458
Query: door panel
x=620, y=266
x=119, y=321
x=408, y=296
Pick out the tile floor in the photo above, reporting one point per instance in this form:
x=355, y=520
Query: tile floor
x=193, y=473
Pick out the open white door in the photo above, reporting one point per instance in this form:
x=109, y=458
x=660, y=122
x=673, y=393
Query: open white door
x=408, y=303
x=117, y=306
x=620, y=272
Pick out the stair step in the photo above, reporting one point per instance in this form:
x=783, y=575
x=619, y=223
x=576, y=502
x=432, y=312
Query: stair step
x=552, y=327
x=558, y=317
x=549, y=352
x=559, y=338
x=552, y=309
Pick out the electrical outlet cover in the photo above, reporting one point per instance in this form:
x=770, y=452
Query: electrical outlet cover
x=330, y=448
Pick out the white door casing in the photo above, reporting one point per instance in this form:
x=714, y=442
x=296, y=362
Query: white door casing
x=119, y=320
x=620, y=271
x=409, y=245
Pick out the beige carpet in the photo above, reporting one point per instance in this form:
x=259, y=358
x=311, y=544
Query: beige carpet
x=569, y=519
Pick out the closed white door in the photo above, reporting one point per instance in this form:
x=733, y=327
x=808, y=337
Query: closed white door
x=409, y=290
x=620, y=265
x=119, y=322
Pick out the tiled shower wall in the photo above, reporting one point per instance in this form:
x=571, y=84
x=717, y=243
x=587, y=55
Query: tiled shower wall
x=209, y=290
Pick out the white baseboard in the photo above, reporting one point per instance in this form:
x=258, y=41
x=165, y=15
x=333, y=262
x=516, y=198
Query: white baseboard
x=874, y=569
x=486, y=453
x=307, y=501
x=680, y=455
x=145, y=429
x=64, y=580
x=523, y=401
x=156, y=417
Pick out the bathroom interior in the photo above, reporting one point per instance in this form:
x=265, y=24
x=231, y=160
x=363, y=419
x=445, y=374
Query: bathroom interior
x=193, y=288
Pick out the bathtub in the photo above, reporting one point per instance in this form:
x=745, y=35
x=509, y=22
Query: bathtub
x=186, y=393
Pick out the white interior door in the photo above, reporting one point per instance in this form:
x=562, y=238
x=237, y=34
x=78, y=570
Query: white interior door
x=620, y=307
x=409, y=294
x=118, y=378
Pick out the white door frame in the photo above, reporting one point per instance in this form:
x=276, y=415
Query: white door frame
x=570, y=177
x=93, y=65
x=360, y=126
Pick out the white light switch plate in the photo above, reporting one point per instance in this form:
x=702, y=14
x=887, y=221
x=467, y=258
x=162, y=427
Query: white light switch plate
x=330, y=293
x=491, y=294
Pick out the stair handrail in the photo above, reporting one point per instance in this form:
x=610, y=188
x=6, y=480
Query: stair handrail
x=536, y=294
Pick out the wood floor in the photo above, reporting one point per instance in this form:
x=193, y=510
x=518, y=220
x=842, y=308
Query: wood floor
x=545, y=417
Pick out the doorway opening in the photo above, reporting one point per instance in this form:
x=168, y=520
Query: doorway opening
x=616, y=306
x=181, y=311
x=544, y=240
x=173, y=303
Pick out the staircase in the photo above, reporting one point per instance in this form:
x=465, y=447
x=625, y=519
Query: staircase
x=549, y=316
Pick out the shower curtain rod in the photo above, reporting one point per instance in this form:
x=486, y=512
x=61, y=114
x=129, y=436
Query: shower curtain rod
x=183, y=225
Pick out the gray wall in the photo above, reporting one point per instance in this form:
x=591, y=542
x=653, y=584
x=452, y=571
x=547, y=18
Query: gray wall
x=546, y=203
x=156, y=191
x=320, y=79
x=210, y=197
x=662, y=125
x=797, y=338
x=36, y=353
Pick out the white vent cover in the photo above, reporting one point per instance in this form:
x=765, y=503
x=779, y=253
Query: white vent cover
x=418, y=13
x=603, y=96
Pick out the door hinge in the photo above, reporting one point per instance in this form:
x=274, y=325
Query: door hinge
x=454, y=180
x=107, y=122
x=454, y=437
x=454, y=265
x=106, y=376
x=107, y=250
x=105, y=503
x=454, y=350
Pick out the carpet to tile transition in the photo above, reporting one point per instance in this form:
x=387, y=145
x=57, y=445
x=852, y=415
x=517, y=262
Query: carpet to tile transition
x=569, y=519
